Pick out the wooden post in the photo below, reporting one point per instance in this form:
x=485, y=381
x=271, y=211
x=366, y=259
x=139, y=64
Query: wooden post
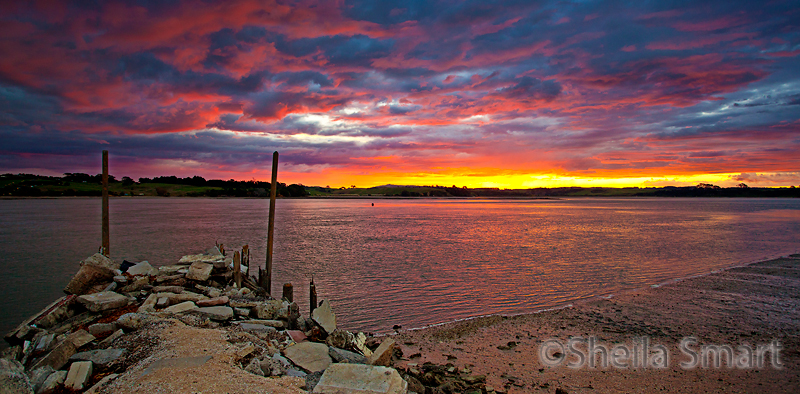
x=288, y=292
x=246, y=258
x=237, y=270
x=106, y=237
x=312, y=296
x=266, y=279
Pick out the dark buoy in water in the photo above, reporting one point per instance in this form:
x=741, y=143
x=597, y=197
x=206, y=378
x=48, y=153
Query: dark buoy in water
x=373, y=204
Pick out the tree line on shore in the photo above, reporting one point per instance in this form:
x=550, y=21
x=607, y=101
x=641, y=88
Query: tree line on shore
x=80, y=184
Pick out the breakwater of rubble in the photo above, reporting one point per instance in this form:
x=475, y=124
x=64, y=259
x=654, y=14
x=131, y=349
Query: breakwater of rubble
x=85, y=340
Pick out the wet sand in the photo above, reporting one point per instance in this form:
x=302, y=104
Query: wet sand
x=744, y=306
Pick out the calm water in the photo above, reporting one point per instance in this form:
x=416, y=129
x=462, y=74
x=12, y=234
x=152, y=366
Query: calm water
x=410, y=262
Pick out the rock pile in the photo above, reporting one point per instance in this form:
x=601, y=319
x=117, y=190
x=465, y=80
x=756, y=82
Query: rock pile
x=78, y=342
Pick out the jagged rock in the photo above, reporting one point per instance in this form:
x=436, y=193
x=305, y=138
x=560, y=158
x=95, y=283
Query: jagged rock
x=254, y=367
x=54, y=380
x=182, y=307
x=57, y=357
x=102, y=329
x=13, y=379
x=199, y=271
x=80, y=338
x=383, y=354
x=38, y=377
x=325, y=317
x=217, y=313
x=344, y=356
x=167, y=289
x=310, y=356
x=143, y=268
x=94, y=270
x=103, y=301
x=241, y=312
x=101, y=357
x=79, y=373
x=341, y=339
x=213, y=301
x=362, y=379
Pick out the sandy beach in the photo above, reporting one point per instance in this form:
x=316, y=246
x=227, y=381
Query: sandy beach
x=744, y=306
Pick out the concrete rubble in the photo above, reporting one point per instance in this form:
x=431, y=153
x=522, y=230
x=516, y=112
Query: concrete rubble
x=75, y=343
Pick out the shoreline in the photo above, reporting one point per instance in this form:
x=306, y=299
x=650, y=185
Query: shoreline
x=506, y=348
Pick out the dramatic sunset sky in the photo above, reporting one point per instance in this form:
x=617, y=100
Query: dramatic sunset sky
x=509, y=94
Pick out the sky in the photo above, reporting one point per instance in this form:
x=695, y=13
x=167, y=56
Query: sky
x=510, y=94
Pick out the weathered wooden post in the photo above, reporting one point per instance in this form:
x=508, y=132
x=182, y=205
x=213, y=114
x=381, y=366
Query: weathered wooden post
x=265, y=277
x=237, y=270
x=246, y=259
x=106, y=237
x=288, y=292
x=312, y=296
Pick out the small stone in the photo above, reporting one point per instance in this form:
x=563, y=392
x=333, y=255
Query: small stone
x=270, y=323
x=102, y=329
x=217, y=313
x=101, y=357
x=245, y=351
x=295, y=373
x=103, y=301
x=213, y=301
x=13, y=378
x=258, y=328
x=170, y=270
x=182, y=307
x=272, y=367
x=79, y=373
x=121, y=279
x=241, y=312
x=149, y=304
x=360, y=344
x=383, y=354
x=297, y=336
x=362, y=379
x=310, y=356
x=199, y=271
x=474, y=379
x=138, y=284
x=268, y=310
x=44, y=342
x=143, y=268
x=312, y=380
x=325, y=317
x=341, y=339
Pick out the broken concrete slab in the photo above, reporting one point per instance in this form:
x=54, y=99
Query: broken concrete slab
x=167, y=289
x=325, y=317
x=310, y=356
x=213, y=301
x=103, y=301
x=383, y=354
x=204, y=258
x=362, y=379
x=169, y=270
x=149, y=304
x=110, y=339
x=102, y=329
x=216, y=313
x=80, y=338
x=271, y=323
x=79, y=373
x=139, y=283
x=101, y=357
x=199, y=271
x=182, y=307
x=346, y=356
x=257, y=328
x=57, y=357
x=94, y=270
x=38, y=377
x=143, y=268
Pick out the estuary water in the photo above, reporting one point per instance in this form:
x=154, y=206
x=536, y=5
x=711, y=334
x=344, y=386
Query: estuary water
x=412, y=262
